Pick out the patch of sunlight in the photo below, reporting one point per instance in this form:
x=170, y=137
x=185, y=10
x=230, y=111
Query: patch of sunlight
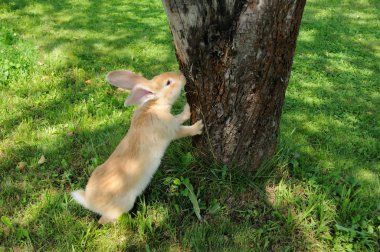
x=327, y=164
x=306, y=56
x=307, y=36
x=158, y=214
x=34, y=209
x=109, y=238
x=123, y=233
x=307, y=149
x=50, y=131
x=376, y=47
x=89, y=123
x=362, y=2
x=350, y=119
x=322, y=14
x=38, y=9
x=103, y=47
x=338, y=57
x=80, y=4
x=340, y=66
x=23, y=131
x=304, y=205
x=11, y=102
x=330, y=122
x=245, y=237
x=46, y=15
x=313, y=101
x=375, y=95
x=360, y=17
x=282, y=194
x=176, y=247
x=299, y=117
x=370, y=178
x=302, y=85
x=58, y=56
x=312, y=127
x=62, y=17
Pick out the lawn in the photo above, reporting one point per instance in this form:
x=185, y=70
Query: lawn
x=59, y=119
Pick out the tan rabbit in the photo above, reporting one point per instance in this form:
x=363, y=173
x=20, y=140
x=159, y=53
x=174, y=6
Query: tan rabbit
x=114, y=185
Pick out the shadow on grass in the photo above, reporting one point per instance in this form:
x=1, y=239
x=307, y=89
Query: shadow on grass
x=99, y=34
x=330, y=122
x=91, y=37
x=336, y=113
x=243, y=223
x=37, y=198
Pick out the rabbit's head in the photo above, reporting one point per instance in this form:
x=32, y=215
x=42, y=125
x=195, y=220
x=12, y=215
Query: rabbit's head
x=165, y=87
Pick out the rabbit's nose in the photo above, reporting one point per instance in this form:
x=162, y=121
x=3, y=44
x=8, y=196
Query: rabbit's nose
x=182, y=78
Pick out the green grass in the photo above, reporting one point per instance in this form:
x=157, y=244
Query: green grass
x=321, y=192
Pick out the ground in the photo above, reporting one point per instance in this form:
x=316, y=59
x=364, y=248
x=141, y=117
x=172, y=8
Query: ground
x=59, y=119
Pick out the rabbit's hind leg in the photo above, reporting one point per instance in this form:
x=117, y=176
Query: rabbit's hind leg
x=110, y=215
x=105, y=220
x=123, y=205
x=127, y=202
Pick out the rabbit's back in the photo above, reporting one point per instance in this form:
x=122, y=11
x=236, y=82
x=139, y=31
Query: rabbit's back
x=133, y=163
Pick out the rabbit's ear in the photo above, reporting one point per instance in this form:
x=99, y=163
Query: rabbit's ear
x=125, y=79
x=139, y=94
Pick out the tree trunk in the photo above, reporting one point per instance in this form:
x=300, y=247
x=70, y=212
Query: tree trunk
x=236, y=56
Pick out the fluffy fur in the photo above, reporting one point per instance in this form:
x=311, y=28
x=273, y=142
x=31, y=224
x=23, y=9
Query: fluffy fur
x=114, y=185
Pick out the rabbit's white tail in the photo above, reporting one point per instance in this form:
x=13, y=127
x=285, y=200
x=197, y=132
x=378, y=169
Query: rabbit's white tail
x=79, y=197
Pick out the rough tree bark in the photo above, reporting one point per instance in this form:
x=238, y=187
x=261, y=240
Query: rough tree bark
x=237, y=57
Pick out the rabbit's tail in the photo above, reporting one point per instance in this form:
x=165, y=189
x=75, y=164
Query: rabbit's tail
x=80, y=197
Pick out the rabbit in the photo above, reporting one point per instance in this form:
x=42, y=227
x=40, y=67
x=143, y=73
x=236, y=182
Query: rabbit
x=114, y=185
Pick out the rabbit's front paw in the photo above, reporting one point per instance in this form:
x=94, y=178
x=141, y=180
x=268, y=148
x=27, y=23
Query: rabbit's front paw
x=185, y=115
x=198, y=127
x=186, y=112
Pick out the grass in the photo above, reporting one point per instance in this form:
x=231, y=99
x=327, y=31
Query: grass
x=321, y=192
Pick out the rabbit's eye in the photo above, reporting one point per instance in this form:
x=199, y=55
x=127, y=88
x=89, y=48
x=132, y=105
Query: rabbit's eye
x=168, y=82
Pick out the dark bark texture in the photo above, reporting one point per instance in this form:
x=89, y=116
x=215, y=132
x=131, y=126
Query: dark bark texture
x=237, y=57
